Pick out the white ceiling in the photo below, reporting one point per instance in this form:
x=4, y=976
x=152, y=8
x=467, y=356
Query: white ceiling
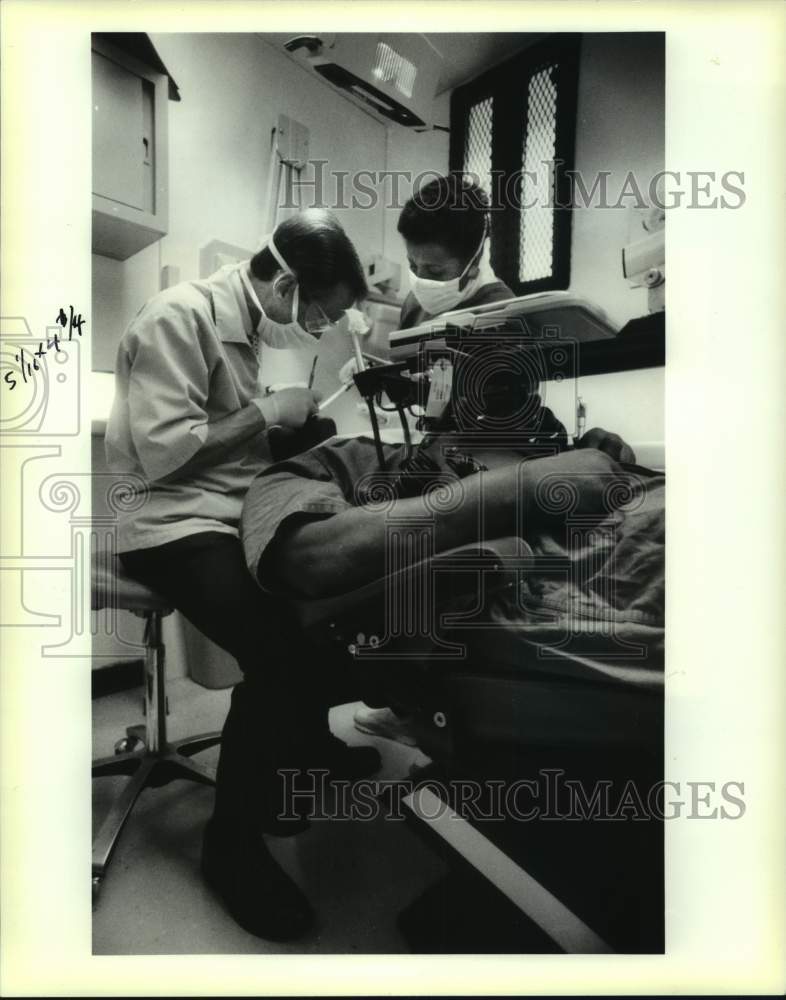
x=466, y=54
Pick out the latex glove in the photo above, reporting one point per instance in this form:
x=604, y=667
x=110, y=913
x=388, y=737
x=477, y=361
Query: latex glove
x=357, y=323
x=288, y=407
x=347, y=371
x=611, y=444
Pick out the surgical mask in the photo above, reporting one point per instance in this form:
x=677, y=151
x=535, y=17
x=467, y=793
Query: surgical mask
x=287, y=336
x=437, y=297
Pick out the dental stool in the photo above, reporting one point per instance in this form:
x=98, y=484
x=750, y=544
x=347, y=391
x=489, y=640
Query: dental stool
x=145, y=753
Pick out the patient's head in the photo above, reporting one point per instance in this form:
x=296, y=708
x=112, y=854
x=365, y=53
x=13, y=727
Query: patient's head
x=444, y=225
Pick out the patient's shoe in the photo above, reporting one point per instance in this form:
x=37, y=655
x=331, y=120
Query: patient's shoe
x=257, y=892
x=384, y=722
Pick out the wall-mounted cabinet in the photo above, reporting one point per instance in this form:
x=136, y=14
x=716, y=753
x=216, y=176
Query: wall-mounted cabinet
x=130, y=172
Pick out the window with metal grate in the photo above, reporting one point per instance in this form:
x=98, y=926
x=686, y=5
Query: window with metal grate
x=536, y=223
x=477, y=148
x=513, y=130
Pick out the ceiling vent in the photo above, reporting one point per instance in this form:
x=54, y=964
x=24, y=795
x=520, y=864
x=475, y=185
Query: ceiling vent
x=394, y=77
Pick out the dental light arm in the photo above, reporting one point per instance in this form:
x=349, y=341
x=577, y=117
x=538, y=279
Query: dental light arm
x=397, y=384
x=404, y=382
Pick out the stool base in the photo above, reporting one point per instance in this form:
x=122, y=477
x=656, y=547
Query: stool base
x=147, y=769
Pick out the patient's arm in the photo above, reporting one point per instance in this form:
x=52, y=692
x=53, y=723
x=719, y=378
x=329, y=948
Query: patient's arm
x=321, y=558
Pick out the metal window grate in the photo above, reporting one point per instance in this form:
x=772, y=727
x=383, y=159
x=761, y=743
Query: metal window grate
x=477, y=148
x=536, y=227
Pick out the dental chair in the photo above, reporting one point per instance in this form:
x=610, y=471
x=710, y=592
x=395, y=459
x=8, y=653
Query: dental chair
x=488, y=705
x=484, y=708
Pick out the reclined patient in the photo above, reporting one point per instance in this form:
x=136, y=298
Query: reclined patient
x=311, y=527
x=587, y=640
x=316, y=525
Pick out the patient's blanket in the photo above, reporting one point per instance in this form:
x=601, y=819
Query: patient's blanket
x=600, y=616
x=587, y=593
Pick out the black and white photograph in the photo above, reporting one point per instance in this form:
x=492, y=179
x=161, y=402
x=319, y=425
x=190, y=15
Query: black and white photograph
x=385, y=478
x=339, y=497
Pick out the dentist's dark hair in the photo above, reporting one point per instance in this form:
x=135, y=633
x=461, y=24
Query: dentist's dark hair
x=451, y=211
x=316, y=248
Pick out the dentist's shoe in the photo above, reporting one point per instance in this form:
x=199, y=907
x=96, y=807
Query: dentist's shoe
x=257, y=893
x=384, y=722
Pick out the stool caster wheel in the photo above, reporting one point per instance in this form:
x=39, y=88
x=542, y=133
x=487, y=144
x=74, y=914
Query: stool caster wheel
x=128, y=744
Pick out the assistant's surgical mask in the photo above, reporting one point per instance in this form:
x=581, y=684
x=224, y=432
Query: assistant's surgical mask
x=441, y=296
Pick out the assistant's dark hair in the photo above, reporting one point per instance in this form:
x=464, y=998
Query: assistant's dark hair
x=451, y=211
x=316, y=248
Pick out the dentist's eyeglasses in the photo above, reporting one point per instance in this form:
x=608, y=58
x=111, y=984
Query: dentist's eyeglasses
x=316, y=320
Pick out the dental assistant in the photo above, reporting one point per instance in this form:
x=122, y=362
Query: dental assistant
x=191, y=423
x=445, y=230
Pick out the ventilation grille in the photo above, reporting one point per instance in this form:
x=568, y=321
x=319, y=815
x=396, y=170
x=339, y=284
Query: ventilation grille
x=391, y=67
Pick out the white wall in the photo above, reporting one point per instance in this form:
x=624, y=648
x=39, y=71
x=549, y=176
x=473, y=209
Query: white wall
x=424, y=155
x=233, y=88
x=619, y=128
x=628, y=403
x=120, y=289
